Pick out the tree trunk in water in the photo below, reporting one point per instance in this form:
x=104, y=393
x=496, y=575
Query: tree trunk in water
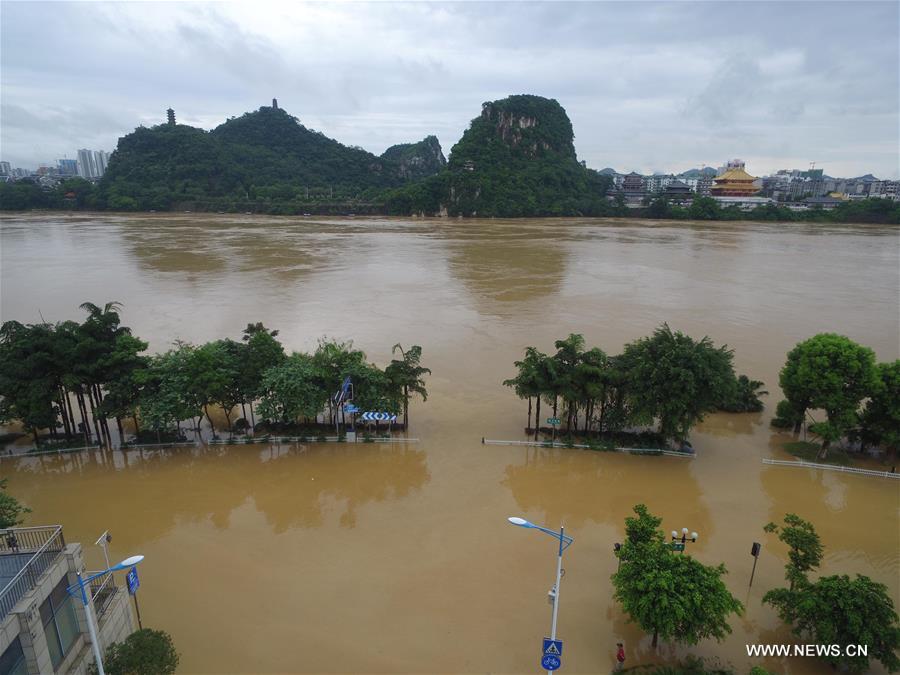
x=68, y=402
x=37, y=441
x=64, y=414
x=554, y=405
x=405, y=408
x=94, y=416
x=244, y=410
x=82, y=410
x=529, y=413
x=227, y=417
x=537, y=419
x=211, y=425
x=121, y=430
x=823, y=453
x=252, y=420
x=136, y=427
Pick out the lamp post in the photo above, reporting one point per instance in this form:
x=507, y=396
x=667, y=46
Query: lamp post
x=95, y=644
x=679, y=543
x=564, y=542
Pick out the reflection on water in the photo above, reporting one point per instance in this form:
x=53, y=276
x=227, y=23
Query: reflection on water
x=323, y=558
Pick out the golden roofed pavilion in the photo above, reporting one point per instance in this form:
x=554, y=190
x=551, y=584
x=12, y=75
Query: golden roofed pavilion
x=734, y=183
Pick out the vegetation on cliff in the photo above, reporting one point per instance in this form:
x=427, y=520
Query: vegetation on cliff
x=516, y=159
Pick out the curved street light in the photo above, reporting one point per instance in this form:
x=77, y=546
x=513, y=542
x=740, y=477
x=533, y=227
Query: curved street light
x=95, y=644
x=564, y=542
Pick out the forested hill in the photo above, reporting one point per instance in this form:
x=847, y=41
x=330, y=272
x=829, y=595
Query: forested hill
x=516, y=159
x=266, y=155
x=417, y=160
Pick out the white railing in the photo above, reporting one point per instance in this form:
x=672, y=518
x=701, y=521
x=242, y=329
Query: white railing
x=250, y=440
x=557, y=444
x=832, y=467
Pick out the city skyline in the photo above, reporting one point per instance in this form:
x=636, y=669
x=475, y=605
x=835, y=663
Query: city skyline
x=646, y=87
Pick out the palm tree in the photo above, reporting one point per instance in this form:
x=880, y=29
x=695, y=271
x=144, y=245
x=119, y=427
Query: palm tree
x=408, y=375
x=527, y=383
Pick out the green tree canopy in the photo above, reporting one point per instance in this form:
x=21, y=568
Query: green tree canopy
x=676, y=379
x=881, y=416
x=144, y=652
x=673, y=596
x=12, y=512
x=834, y=610
x=832, y=373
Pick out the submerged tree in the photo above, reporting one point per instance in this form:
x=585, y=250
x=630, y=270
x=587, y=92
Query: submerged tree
x=673, y=596
x=832, y=373
x=676, y=379
x=406, y=375
x=834, y=610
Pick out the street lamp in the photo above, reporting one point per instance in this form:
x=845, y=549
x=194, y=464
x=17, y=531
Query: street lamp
x=564, y=542
x=678, y=543
x=128, y=562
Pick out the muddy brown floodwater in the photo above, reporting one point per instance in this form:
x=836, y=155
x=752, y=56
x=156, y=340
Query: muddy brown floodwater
x=384, y=559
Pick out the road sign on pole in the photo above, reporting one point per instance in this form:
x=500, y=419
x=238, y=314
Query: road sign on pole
x=553, y=420
x=552, y=647
x=133, y=582
x=550, y=662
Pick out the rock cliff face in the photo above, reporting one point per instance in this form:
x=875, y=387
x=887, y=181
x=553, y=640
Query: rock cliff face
x=417, y=160
x=517, y=158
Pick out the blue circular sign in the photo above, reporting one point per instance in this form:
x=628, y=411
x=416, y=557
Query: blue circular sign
x=550, y=662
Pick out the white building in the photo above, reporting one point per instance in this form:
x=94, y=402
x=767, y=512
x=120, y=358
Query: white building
x=43, y=629
x=92, y=163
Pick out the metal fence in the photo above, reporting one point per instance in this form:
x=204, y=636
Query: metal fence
x=36, y=548
x=103, y=590
x=833, y=467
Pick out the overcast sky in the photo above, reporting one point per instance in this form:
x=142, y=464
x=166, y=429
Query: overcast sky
x=648, y=86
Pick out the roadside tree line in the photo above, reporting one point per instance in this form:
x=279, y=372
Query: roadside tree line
x=834, y=374
x=668, y=378
x=73, y=378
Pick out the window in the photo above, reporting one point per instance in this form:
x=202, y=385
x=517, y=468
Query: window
x=60, y=622
x=12, y=661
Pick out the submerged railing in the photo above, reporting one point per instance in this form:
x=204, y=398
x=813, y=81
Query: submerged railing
x=833, y=467
x=33, y=550
x=559, y=444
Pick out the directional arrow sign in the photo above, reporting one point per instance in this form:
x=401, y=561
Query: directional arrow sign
x=378, y=417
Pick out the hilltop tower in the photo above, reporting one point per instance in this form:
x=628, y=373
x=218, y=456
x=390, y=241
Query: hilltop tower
x=170, y=114
x=275, y=103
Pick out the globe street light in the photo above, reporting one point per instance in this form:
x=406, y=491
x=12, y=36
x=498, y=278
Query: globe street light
x=678, y=543
x=95, y=644
x=564, y=542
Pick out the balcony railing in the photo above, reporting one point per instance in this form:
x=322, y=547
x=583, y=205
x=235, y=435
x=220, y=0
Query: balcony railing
x=25, y=554
x=103, y=590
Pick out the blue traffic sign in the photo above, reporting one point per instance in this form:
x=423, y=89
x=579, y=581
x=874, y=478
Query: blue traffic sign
x=550, y=662
x=350, y=408
x=552, y=647
x=133, y=582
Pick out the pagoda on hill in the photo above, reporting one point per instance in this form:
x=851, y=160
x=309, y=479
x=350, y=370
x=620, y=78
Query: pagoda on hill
x=735, y=182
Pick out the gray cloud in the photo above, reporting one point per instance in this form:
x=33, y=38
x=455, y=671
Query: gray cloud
x=647, y=85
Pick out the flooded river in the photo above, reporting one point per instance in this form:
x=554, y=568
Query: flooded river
x=399, y=558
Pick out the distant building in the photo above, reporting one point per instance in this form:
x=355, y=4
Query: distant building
x=5, y=169
x=92, y=163
x=734, y=182
x=67, y=167
x=275, y=103
x=633, y=188
x=678, y=191
x=170, y=117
